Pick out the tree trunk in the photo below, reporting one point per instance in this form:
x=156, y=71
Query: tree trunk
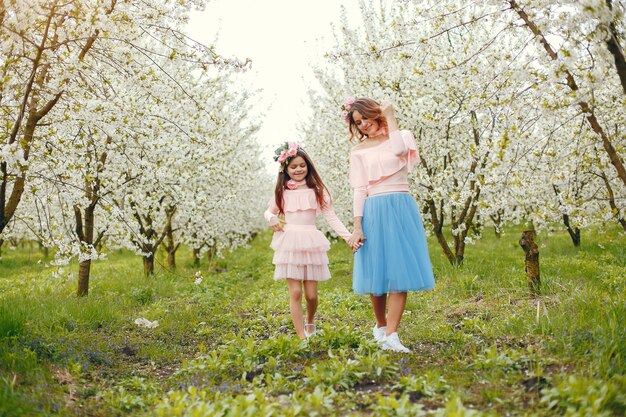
x=614, y=208
x=44, y=250
x=497, y=223
x=196, y=256
x=148, y=264
x=171, y=259
x=211, y=253
x=614, y=47
x=574, y=233
x=84, y=232
x=84, y=270
x=527, y=242
x=459, y=248
x=170, y=246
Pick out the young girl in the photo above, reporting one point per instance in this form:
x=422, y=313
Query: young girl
x=300, y=248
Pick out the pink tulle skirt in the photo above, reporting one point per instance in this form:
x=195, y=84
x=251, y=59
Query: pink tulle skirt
x=300, y=253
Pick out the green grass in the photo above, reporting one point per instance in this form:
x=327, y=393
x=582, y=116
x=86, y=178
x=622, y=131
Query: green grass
x=481, y=345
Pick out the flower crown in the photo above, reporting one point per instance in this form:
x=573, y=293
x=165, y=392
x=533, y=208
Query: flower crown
x=345, y=112
x=284, y=152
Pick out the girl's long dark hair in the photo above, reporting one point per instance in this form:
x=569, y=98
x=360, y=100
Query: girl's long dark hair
x=369, y=109
x=312, y=178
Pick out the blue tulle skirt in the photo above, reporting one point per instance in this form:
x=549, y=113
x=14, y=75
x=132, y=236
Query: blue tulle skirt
x=394, y=256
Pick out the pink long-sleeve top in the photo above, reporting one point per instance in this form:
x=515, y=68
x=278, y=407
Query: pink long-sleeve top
x=383, y=168
x=301, y=209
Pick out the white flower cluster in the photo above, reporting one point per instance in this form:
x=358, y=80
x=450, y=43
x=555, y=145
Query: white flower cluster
x=141, y=322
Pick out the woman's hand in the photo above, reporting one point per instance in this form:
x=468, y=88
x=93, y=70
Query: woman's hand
x=355, y=241
x=387, y=110
x=277, y=224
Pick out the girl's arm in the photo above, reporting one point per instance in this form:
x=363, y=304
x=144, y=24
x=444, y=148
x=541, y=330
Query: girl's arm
x=271, y=216
x=332, y=219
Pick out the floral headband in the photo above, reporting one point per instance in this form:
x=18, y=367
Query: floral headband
x=347, y=105
x=283, y=153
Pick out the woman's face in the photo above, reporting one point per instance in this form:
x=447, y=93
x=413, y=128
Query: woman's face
x=297, y=169
x=368, y=127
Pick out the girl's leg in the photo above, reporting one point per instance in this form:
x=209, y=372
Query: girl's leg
x=379, y=303
x=295, y=305
x=397, y=302
x=310, y=294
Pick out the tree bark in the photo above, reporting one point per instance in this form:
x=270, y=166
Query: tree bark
x=170, y=245
x=85, y=234
x=574, y=232
x=497, y=223
x=196, y=256
x=438, y=229
x=615, y=48
x=527, y=242
x=146, y=229
x=211, y=253
x=84, y=270
x=171, y=259
x=148, y=264
x=614, y=208
x=44, y=250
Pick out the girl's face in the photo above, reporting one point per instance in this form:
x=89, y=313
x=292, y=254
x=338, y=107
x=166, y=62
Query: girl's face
x=297, y=169
x=368, y=127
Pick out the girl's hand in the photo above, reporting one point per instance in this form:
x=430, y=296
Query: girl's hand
x=277, y=224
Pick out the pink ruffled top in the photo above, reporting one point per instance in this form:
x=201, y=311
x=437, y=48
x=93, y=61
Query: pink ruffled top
x=301, y=209
x=382, y=168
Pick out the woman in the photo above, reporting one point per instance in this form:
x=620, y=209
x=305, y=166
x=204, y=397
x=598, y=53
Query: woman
x=392, y=258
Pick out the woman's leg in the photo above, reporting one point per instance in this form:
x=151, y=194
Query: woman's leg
x=397, y=302
x=379, y=303
x=295, y=305
x=310, y=294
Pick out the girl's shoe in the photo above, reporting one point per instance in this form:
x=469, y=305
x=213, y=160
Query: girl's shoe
x=392, y=342
x=309, y=330
x=379, y=333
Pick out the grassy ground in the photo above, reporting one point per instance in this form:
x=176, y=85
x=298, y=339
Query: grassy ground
x=225, y=346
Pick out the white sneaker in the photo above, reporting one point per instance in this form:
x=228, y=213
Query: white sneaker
x=379, y=333
x=392, y=342
x=309, y=330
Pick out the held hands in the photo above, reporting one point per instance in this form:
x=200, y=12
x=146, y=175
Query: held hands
x=356, y=240
x=277, y=224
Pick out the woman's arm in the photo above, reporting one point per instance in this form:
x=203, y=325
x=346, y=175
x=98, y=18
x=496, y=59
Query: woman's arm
x=399, y=144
